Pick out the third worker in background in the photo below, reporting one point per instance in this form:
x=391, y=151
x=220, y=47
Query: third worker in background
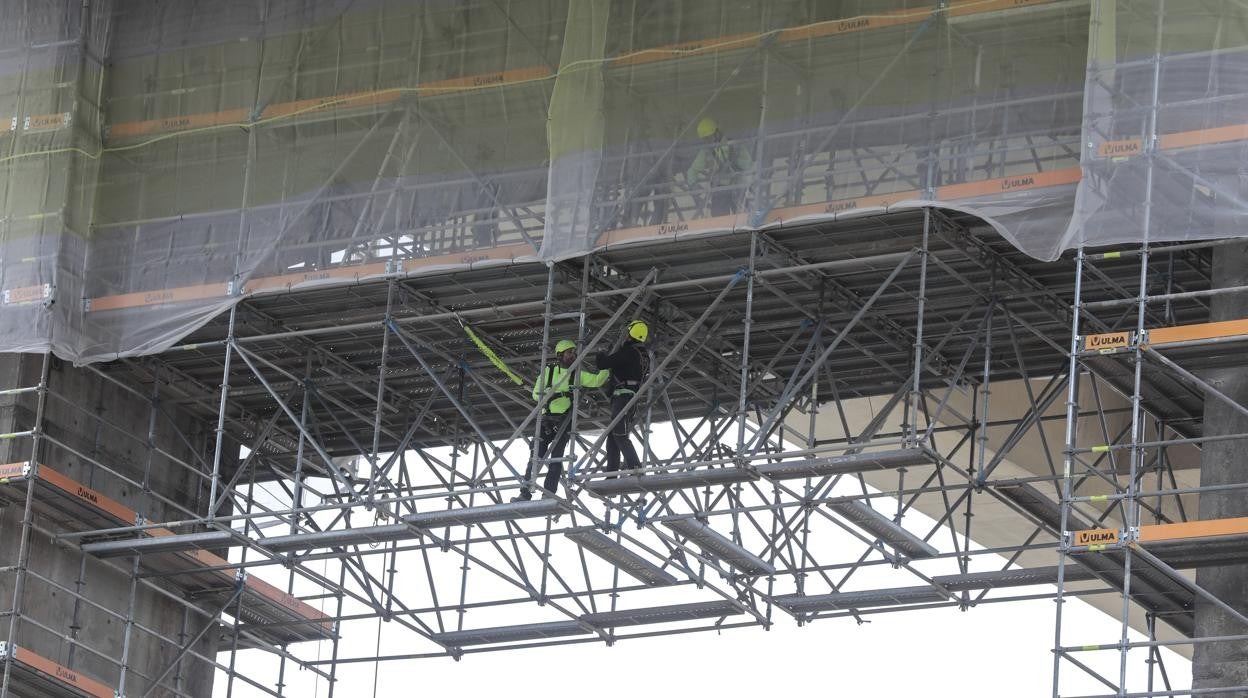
x=629, y=366
x=721, y=166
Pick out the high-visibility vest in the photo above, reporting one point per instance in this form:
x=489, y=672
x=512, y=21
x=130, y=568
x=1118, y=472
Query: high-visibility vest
x=555, y=377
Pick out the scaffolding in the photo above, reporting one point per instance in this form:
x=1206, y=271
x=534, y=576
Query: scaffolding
x=851, y=408
x=407, y=455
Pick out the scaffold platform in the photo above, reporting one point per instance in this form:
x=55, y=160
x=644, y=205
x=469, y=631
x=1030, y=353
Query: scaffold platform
x=664, y=482
x=589, y=623
x=1186, y=545
x=628, y=483
x=68, y=503
x=848, y=464
x=720, y=547
x=267, y=611
x=616, y=554
x=885, y=529
x=800, y=604
x=412, y=526
x=33, y=676
x=332, y=294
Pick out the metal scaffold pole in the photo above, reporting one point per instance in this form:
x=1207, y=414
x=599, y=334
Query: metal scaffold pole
x=1068, y=467
x=853, y=385
x=28, y=513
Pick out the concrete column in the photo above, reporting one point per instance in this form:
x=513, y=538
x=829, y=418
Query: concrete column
x=1224, y=663
x=61, y=620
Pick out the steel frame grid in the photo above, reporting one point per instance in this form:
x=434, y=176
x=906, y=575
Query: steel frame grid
x=342, y=337
x=690, y=286
x=1127, y=476
x=1167, y=400
x=53, y=500
x=954, y=344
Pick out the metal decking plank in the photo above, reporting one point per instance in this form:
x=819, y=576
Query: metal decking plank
x=844, y=601
x=184, y=563
x=884, y=528
x=610, y=619
x=36, y=676
x=717, y=546
x=663, y=614
x=975, y=581
x=1002, y=579
x=630, y=562
x=337, y=538
x=510, y=633
x=64, y=499
x=846, y=464
x=149, y=545
x=663, y=482
x=1045, y=509
x=1151, y=588
x=491, y=513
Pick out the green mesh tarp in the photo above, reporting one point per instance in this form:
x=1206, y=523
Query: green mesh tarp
x=164, y=160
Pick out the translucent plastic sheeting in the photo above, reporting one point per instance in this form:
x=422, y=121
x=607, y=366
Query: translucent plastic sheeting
x=331, y=142
x=228, y=148
x=783, y=117
x=51, y=80
x=1166, y=124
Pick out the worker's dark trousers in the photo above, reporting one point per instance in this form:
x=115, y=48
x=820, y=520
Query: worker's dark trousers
x=617, y=440
x=556, y=431
x=724, y=202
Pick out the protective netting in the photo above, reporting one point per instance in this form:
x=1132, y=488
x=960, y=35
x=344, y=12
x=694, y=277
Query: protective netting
x=1166, y=123
x=51, y=82
x=166, y=159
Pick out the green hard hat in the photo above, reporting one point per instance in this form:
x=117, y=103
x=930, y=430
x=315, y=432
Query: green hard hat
x=564, y=345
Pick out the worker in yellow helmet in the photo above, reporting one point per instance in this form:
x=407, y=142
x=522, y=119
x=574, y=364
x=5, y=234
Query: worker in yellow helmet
x=720, y=166
x=556, y=427
x=628, y=366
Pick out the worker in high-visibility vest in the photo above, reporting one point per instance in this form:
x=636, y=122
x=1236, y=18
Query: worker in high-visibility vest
x=721, y=166
x=629, y=366
x=556, y=427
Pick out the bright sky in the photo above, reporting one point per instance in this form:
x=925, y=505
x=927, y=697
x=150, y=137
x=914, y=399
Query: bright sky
x=993, y=651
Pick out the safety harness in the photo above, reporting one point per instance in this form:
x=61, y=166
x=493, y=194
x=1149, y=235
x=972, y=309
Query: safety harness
x=631, y=386
x=550, y=380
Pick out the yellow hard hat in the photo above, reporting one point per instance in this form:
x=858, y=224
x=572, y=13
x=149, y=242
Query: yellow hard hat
x=639, y=330
x=564, y=345
x=707, y=127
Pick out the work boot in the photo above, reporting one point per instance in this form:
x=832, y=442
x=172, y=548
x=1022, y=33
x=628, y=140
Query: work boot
x=524, y=496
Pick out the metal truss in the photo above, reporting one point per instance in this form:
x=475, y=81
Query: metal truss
x=1131, y=484
x=824, y=427
x=1141, y=498
x=817, y=435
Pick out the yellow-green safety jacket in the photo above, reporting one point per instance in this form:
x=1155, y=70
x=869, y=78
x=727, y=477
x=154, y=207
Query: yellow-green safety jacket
x=556, y=377
x=720, y=163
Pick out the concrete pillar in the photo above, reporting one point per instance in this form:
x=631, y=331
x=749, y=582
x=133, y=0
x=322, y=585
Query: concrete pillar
x=1224, y=663
x=58, y=619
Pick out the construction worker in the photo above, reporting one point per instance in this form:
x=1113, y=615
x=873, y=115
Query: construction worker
x=628, y=366
x=721, y=166
x=557, y=418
